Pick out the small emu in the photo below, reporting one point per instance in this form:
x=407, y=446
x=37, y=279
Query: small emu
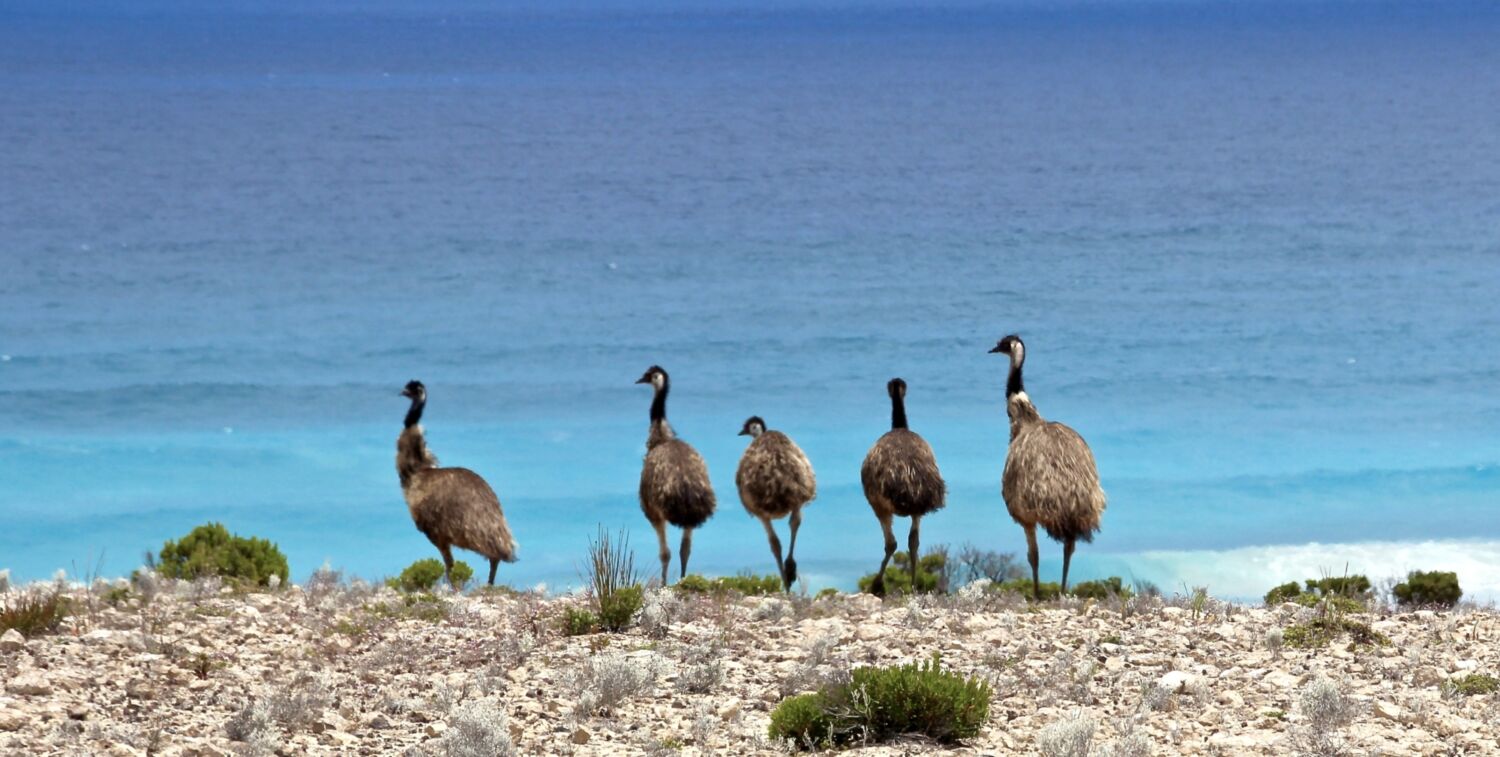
x=1050, y=478
x=901, y=477
x=454, y=507
x=775, y=479
x=674, y=481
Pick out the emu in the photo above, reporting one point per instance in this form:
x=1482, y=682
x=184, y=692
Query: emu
x=454, y=507
x=1050, y=478
x=674, y=481
x=900, y=477
x=775, y=479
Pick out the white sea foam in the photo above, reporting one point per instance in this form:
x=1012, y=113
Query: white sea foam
x=1248, y=572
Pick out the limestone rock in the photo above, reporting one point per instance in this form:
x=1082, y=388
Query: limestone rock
x=12, y=641
x=30, y=683
x=1178, y=682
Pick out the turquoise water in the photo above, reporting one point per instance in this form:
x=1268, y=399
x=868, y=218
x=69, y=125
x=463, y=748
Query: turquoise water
x=1252, y=250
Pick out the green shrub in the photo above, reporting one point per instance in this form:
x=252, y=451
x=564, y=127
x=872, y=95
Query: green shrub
x=1102, y=589
x=414, y=606
x=1318, y=632
x=618, y=608
x=1342, y=593
x=748, y=585
x=1343, y=586
x=577, y=621
x=1428, y=588
x=33, y=614
x=826, y=592
x=210, y=550
x=804, y=719
x=611, y=574
x=879, y=704
x=1050, y=590
x=1470, y=685
x=1286, y=592
x=424, y=575
x=898, y=578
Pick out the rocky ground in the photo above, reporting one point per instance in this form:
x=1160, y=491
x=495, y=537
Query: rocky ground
x=337, y=668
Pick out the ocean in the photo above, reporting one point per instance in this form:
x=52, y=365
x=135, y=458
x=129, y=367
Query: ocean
x=1252, y=249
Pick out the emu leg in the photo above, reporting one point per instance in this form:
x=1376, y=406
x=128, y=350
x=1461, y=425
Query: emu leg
x=775, y=547
x=493, y=565
x=687, y=546
x=665, y=552
x=1067, y=558
x=1031, y=557
x=912, y=549
x=877, y=587
x=447, y=563
x=790, y=574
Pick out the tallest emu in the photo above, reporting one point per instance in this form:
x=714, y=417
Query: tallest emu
x=1050, y=478
x=674, y=481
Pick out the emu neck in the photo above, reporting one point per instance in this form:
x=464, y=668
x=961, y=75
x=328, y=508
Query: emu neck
x=1013, y=385
x=661, y=431
x=414, y=415
x=898, y=412
x=659, y=405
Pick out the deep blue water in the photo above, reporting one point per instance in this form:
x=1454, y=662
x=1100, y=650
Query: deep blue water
x=1254, y=250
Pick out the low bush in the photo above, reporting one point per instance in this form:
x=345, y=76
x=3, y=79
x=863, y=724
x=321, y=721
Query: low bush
x=210, y=550
x=617, y=590
x=1318, y=632
x=1286, y=592
x=1472, y=684
x=878, y=704
x=424, y=575
x=930, y=570
x=1050, y=590
x=748, y=585
x=33, y=614
x=1342, y=593
x=618, y=608
x=1422, y=588
x=1102, y=589
x=1344, y=586
x=576, y=621
x=477, y=729
x=607, y=680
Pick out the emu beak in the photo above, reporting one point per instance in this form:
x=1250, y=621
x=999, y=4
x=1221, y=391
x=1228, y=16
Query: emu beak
x=643, y=380
x=743, y=432
x=996, y=349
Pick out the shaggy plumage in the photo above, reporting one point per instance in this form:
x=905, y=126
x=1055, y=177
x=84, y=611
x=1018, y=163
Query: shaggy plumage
x=901, y=477
x=1050, y=478
x=674, y=480
x=775, y=479
x=454, y=507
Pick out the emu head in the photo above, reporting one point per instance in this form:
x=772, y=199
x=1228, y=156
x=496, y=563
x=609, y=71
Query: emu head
x=1012, y=346
x=415, y=391
x=754, y=427
x=656, y=376
x=896, y=388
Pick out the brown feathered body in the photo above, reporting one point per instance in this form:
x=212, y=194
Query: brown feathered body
x=454, y=507
x=1050, y=478
x=775, y=477
x=901, y=477
x=674, y=481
